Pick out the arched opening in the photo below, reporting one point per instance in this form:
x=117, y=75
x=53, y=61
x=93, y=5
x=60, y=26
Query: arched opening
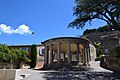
x=63, y=50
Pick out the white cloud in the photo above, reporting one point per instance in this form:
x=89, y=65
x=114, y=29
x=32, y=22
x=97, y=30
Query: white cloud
x=5, y=29
x=22, y=29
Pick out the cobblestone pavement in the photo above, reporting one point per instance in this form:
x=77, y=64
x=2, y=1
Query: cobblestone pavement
x=80, y=75
x=94, y=72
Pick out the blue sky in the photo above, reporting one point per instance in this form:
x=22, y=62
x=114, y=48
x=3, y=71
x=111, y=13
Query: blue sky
x=48, y=19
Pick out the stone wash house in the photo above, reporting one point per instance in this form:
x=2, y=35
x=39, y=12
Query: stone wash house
x=67, y=51
x=107, y=40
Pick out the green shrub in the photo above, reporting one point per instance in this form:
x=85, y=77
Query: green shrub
x=99, y=51
x=33, y=56
x=99, y=58
x=4, y=54
x=11, y=56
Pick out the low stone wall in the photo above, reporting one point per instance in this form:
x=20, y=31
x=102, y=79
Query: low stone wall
x=7, y=74
x=6, y=66
x=110, y=63
x=14, y=66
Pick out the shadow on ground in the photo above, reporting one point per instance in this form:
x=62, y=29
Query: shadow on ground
x=82, y=74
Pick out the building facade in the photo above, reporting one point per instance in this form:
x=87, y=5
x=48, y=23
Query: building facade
x=107, y=40
x=40, y=55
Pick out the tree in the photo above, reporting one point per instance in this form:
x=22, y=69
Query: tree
x=4, y=54
x=20, y=55
x=33, y=56
x=88, y=10
x=100, y=29
x=89, y=31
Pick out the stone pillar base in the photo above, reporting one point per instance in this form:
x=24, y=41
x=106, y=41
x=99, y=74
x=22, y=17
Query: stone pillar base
x=45, y=66
x=85, y=64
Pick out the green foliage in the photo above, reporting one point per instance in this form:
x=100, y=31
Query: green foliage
x=20, y=55
x=97, y=45
x=15, y=54
x=98, y=49
x=104, y=29
x=115, y=52
x=99, y=53
x=89, y=31
x=4, y=54
x=100, y=29
x=24, y=57
x=10, y=56
x=99, y=58
x=33, y=56
x=88, y=10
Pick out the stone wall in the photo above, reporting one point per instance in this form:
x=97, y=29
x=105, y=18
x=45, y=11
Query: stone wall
x=110, y=63
x=6, y=74
x=107, y=40
x=96, y=37
x=92, y=52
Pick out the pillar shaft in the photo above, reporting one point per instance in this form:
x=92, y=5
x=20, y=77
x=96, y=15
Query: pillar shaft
x=78, y=53
x=69, y=61
x=87, y=58
x=89, y=54
x=59, y=55
x=46, y=56
x=64, y=57
x=51, y=55
x=84, y=55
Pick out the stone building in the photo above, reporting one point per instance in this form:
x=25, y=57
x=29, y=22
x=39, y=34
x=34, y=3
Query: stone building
x=27, y=48
x=107, y=40
x=40, y=56
x=68, y=51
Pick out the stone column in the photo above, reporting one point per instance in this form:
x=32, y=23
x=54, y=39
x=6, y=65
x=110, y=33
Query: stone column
x=77, y=53
x=84, y=62
x=87, y=57
x=69, y=60
x=46, y=56
x=64, y=56
x=88, y=54
x=59, y=55
x=80, y=56
x=51, y=54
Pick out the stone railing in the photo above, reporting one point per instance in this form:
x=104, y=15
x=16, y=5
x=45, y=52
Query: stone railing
x=110, y=63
